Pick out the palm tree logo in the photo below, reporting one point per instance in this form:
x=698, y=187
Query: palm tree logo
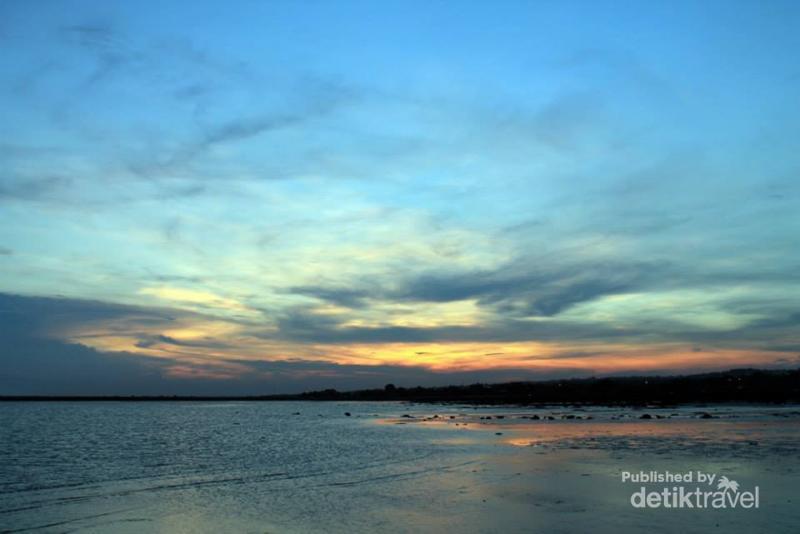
x=726, y=484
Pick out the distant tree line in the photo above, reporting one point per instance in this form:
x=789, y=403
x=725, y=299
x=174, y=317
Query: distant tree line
x=738, y=385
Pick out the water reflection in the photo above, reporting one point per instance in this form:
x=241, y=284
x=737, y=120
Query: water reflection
x=306, y=467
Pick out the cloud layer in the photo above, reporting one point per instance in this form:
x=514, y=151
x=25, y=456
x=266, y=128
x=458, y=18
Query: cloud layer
x=211, y=202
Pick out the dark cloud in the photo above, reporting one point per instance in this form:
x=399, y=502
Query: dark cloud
x=528, y=307
x=110, y=49
x=149, y=340
x=348, y=298
x=794, y=347
x=31, y=363
x=47, y=310
x=523, y=288
x=527, y=288
x=305, y=326
x=35, y=361
x=311, y=99
x=97, y=57
x=234, y=130
x=775, y=332
x=174, y=278
x=48, y=317
x=14, y=188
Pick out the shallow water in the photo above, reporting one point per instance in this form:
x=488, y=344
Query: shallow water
x=307, y=467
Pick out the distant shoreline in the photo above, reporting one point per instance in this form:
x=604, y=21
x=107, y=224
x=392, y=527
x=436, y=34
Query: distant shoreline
x=738, y=386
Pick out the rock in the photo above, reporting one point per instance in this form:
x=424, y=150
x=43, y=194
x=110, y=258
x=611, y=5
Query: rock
x=706, y=415
x=645, y=416
x=498, y=433
x=407, y=416
x=550, y=418
x=535, y=417
x=347, y=414
x=499, y=416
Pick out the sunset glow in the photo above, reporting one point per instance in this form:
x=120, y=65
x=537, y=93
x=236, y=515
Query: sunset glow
x=425, y=199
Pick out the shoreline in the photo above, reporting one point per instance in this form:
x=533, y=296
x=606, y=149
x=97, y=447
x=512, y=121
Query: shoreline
x=746, y=386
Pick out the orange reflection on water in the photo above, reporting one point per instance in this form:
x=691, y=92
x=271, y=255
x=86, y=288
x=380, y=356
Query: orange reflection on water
x=593, y=433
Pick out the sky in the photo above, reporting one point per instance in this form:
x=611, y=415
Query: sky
x=264, y=197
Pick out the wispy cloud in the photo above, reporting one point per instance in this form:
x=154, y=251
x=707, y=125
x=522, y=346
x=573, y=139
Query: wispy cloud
x=216, y=197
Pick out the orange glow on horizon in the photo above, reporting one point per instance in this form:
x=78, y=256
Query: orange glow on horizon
x=221, y=350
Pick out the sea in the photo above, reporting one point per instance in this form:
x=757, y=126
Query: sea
x=272, y=467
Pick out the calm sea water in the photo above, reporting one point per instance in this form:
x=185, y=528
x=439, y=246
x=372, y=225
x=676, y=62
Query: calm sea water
x=307, y=467
x=187, y=466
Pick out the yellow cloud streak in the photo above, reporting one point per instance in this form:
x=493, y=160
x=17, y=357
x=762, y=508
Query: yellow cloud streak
x=192, y=296
x=195, y=342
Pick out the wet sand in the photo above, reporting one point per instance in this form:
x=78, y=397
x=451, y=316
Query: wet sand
x=564, y=474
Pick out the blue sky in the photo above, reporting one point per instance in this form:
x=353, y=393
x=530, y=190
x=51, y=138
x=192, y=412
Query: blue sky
x=253, y=196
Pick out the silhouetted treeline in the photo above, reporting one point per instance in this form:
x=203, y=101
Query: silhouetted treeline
x=740, y=385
